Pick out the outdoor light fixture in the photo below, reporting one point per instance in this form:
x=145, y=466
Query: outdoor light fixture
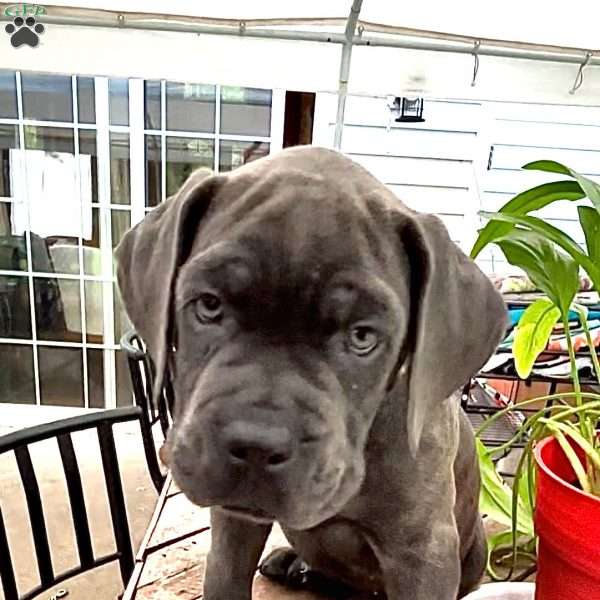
x=408, y=110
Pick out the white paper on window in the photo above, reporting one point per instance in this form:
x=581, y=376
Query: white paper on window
x=47, y=182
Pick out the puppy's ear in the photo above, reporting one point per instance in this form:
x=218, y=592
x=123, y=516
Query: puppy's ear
x=457, y=319
x=148, y=257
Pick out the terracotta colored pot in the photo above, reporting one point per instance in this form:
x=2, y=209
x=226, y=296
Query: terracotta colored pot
x=567, y=522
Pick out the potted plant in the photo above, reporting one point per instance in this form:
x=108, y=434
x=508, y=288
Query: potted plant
x=563, y=492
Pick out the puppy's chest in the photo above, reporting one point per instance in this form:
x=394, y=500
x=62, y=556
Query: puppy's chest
x=339, y=549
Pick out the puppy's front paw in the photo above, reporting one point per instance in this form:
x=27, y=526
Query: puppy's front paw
x=285, y=567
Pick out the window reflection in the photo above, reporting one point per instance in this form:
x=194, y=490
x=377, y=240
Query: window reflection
x=185, y=155
x=47, y=97
x=13, y=248
x=152, y=104
x=57, y=309
x=15, y=311
x=16, y=374
x=190, y=107
x=8, y=95
x=234, y=154
x=94, y=314
x=118, y=90
x=153, y=170
x=61, y=376
x=95, y=360
x=9, y=139
x=120, y=190
x=245, y=111
x=86, y=100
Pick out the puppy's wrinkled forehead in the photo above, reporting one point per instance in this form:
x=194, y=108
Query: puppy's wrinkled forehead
x=291, y=236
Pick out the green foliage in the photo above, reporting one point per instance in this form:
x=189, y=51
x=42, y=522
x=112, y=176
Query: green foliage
x=552, y=261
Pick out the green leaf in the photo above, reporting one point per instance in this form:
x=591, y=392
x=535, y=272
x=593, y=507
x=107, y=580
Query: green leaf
x=526, y=202
x=555, y=235
x=532, y=334
x=590, y=223
x=552, y=271
x=591, y=188
x=495, y=499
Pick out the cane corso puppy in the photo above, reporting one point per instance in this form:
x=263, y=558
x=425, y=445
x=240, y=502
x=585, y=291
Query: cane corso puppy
x=316, y=331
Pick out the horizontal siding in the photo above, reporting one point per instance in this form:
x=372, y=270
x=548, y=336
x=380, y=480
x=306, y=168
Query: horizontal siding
x=548, y=135
x=439, y=166
x=415, y=142
x=394, y=170
x=514, y=157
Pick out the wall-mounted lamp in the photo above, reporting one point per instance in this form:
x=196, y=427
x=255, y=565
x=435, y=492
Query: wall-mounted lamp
x=407, y=110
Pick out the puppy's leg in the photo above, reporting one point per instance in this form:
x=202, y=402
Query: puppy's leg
x=426, y=567
x=236, y=546
x=473, y=565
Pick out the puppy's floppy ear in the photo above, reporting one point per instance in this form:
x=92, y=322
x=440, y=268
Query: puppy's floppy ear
x=148, y=258
x=458, y=319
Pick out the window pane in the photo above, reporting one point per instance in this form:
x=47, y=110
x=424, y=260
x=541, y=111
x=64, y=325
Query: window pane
x=245, y=111
x=153, y=171
x=89, y=164
x=86, y=100
x=120, y=190
x=119, y=101
x=57, y=309
x=124, y=391
x=152, y=104
x=190, y=107
x=185, y=155
x=92, y=259
x=9, y=139
x=13, y=249
x=122, y=322
x=120, y=223
x=15, y=310
x=16, y=375
x=95, y=360
x=47, y=97
x=235, y=154
x=94, y=316
x=51, y=139
x=8, y=95
x=61, y=376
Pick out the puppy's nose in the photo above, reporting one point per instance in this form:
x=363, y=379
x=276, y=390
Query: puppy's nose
x=261, y=446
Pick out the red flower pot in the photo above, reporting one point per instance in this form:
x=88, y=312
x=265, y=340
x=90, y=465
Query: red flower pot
x=567, y=522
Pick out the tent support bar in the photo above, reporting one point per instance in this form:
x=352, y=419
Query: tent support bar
x=345, y=72
x=81, y=17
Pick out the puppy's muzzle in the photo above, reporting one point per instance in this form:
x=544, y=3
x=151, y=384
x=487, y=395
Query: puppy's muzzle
x=257, y=447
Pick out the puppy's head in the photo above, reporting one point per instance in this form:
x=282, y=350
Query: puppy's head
x=288, y=298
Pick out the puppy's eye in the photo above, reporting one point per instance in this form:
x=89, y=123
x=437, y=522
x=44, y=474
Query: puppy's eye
x=209, y=308
x=363, y=340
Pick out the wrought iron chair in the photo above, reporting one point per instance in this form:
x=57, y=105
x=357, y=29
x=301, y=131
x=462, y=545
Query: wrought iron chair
x=154, y=421
x=19, y=444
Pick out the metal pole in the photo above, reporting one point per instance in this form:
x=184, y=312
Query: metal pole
x=444, y=42
x=345, y=72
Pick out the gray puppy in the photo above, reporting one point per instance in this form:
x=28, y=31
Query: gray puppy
x=316, y=330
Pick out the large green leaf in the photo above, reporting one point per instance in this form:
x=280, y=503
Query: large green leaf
x=556, y=236
x=526, y=202
x=552, y=271
x=591, y=188
x=590, y=223
x=532, y=334
x=495, y=499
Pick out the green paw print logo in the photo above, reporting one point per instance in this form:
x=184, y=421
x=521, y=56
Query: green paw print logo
x=24, y=32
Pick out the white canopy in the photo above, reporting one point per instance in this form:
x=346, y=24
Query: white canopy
x=527, y=51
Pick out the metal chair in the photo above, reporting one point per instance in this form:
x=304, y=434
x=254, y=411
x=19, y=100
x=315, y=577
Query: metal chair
x=19, y=443
x=156, y=419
